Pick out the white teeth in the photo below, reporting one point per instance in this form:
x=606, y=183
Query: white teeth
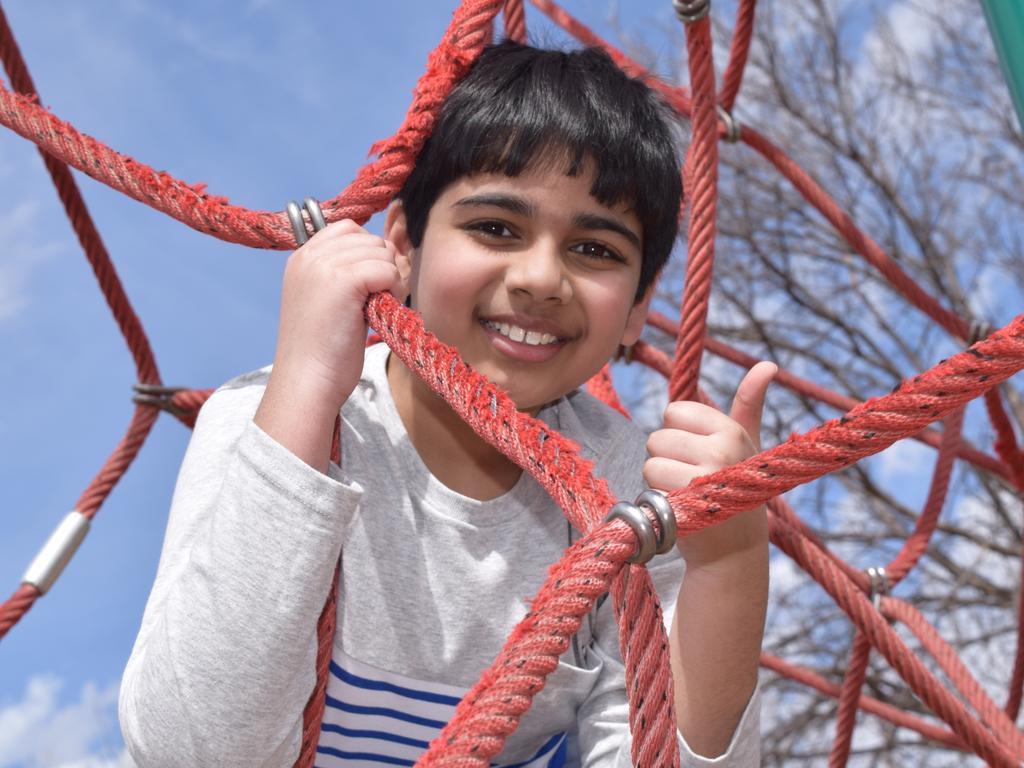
x=514, y=332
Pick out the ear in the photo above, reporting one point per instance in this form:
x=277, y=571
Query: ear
x=637, y=318
x=396, y=230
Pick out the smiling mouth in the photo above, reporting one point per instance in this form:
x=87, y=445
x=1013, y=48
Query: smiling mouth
x=521, y=335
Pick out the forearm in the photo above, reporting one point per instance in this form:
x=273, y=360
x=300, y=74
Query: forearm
x=298, y=416
x=224, y=660
x=716, y=636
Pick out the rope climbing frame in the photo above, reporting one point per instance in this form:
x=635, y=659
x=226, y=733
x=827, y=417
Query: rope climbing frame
x=597, y=563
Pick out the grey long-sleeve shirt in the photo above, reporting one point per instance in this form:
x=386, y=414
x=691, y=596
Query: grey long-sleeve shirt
x=431, y=584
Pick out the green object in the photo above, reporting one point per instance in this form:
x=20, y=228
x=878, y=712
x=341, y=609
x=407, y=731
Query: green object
x=1006, y=23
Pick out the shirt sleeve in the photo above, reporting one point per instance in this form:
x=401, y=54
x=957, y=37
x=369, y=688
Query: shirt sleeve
x=224, y=661
x=603, y=719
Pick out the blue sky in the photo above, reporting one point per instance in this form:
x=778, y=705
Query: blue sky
x=264, y=101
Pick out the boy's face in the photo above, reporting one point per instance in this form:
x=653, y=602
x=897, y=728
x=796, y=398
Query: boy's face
x=531, y=278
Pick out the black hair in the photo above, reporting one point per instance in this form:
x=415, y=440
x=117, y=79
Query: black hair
x=519, y=104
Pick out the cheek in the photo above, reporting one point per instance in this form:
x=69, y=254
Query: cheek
x=608, y=302
x=448, y=287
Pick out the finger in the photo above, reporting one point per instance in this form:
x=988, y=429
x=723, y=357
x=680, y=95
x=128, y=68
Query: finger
x=334, y=231
x=695, y=417
x=345, y=241
x=748, y=404
x=374, y=276
x=667, y=475
x=343, y=227
x=679, y=445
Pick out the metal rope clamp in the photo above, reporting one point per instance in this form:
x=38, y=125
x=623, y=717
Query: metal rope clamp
x=316, y=218
x=732, y=125
x=879, y=586
x=158, y=396
x=979, y=329
x=690, y=11
x=57, y=552
x=638, y=516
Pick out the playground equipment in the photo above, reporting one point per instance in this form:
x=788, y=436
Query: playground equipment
x=599, y=562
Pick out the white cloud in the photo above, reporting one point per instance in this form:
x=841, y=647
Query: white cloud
x=907, y=460
x=913, y=29
x=22, y=255
x=986, y=290
x=901, y=41
x=41, y=731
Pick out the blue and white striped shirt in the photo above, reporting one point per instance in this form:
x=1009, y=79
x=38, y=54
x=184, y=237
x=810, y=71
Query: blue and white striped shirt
x=375, y=718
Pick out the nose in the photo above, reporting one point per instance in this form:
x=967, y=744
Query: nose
x=540, y=273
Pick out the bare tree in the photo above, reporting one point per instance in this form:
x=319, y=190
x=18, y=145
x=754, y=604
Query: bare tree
x=898, y=110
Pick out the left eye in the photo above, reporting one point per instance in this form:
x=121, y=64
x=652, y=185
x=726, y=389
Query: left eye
x=596, y=251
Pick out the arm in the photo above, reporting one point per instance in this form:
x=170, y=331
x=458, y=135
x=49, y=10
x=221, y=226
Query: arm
x=603, y=719
x=322, y=335
x=224, y=662
x=715, y=636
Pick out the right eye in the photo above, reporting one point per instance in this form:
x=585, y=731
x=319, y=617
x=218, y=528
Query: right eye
x=491, y=228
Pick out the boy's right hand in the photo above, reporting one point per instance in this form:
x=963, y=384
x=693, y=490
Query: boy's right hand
x=322, y=334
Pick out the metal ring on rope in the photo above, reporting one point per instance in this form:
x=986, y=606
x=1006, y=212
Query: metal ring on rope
x=732, y=125
x=979, y=330
x=690, y=11
x=158, y=396
x=658, y=503
x=646, y=541
x=879, y=581
x=649, y=541
x=316, y=218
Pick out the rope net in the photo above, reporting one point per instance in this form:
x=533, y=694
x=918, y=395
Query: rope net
x=596, y=564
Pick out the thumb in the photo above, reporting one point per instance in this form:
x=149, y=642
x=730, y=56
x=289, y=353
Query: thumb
x=748, y=404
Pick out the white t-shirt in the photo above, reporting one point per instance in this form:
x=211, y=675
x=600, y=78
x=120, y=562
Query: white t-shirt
x=432, y=582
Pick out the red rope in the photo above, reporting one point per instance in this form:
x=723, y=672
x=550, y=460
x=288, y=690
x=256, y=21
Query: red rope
x=950, y=663
x=801, y=386
x=846, y=716
x=515, y=20
x=741, y=35
x=702, y=169
x=371, y=191
x=883, y=637
x=16, y=606
x=909, y=554
x=868, y=704
x=600, y=386
x=901, y=564
x=92, y=244
x=594, y=565
x=677, y=98
x=486, y=715
x=1013, y=698
x=313, y=714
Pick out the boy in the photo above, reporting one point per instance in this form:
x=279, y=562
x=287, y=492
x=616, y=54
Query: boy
x=528, y=236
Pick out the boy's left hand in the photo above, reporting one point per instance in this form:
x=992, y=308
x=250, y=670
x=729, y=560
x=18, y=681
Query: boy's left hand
x=696, y=440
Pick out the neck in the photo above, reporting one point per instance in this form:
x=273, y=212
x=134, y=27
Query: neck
x=449, y=447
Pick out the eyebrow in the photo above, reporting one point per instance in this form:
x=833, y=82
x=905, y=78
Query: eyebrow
x=499, y=200
x=595, y=221
x=523, y=207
